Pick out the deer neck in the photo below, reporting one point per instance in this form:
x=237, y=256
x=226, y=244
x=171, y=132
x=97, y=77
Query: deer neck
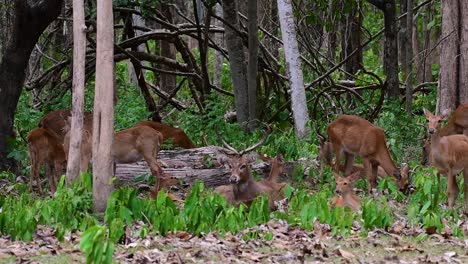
x=246, y=190
x=386, y=162
x=435, y=139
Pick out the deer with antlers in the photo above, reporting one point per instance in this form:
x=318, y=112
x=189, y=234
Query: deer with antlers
x=243, y=188
x=344, y=188
x=449, y=154
x=352, y=135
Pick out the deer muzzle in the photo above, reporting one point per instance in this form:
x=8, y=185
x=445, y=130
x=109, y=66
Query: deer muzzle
x=234, y=179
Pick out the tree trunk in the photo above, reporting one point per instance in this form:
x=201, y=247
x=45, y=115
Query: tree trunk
x=253, y=63
x=103, y=120
x=426, y=71
x=167, y=81
x=463, y=58
x=352, y=32
x=409, y=56
x=79, y=63
x=29, y=21
x=449, y=52
x=293, y=66
x=388, y=7
x=236, y=61
x=218, y=58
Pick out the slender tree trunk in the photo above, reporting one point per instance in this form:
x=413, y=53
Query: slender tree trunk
x=236, y=61
x=463, y=78
x=167, y=81
x=449, y=52
x=218, y=57
x=388, y=7
x=103, y=120
x=79, y=63
x=29, y=21
x=409, y=56
x=293, y=66
x=253, y=63
x=352, y=32
x=426, y=70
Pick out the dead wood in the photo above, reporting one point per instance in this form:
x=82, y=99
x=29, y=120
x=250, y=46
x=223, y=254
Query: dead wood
x=190, y=165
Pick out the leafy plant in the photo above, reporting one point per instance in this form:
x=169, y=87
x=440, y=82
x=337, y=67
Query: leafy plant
x=97, y=245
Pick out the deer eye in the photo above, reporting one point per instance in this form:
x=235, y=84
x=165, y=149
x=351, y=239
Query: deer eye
x=242, y=167
x=439, y=121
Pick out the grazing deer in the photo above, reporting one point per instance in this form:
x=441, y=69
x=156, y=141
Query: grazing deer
x=56, y=121
x=346, y=196
x=352, y=135
x=449, y=154
x=180, y=139
x=457, y=124
x=44, y=148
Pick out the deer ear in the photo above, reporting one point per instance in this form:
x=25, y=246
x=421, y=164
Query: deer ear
x=252, y=157
x=427, y=113
x=223, y=160
x=405, y=170
x=446, y=114
x=279, y=157
x=337, y=176
x=354, y=176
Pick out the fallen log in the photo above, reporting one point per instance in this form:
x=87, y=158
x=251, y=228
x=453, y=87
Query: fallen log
x=190, y=165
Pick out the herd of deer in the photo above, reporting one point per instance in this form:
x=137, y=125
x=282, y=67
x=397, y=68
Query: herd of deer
x=348, y=136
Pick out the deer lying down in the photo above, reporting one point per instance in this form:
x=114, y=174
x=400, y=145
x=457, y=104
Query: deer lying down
x=352, y=135
x=449, y=154
x=244, y=189
x=180, y=139
x=43, y=148
x=346, y=196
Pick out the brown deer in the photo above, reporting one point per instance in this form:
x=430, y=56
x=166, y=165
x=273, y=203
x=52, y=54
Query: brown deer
x=346, y=196
x=180, y=139
x=352, y=135
x=457, y=124
x=44, y=148
x=243, y=187
x=449, y=154
x=56, y=121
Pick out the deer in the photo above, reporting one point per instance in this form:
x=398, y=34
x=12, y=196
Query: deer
x=56, y=121
x=449, y=154
x=344, y=188
x=180, y=139
x=243, y=188
x=457, y=124
x=44, y=148
x=86, y=145
x=352, y=135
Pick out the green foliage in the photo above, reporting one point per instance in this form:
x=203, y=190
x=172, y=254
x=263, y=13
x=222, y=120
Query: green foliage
x=97, y=245
x=376, y=213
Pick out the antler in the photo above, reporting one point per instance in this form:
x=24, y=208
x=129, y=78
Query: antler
x=266, y=133
x=225, y=144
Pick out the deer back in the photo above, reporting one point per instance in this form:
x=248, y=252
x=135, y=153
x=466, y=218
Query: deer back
x=180, y=139
x=56, y=122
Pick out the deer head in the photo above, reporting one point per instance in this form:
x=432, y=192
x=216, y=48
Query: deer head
x=434, y=121
x=344, y=185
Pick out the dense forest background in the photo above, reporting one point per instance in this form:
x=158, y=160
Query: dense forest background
x=237, y=67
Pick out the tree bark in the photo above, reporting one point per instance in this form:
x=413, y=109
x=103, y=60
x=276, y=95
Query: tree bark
x=388, y=7
x=236, y=61
x=449, y=52
x=253, y=63
x=293, y=66
x=463, y=76
x=167, y=81
x=29, y=21
x=352, y=37
x=409, y=56
x=79, y=63
x=103, y=120
x=218, y=58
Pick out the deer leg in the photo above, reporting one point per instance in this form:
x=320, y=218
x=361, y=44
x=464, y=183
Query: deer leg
x=50, y=171
x=337, y=158
x=374, y=167
x=452, y=189
x=349, y=161
x=368, y=170
x=35, y=166
x=465, y=189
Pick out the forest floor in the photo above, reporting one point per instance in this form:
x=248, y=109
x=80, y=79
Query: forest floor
x=285, y=245
x=274, y=242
